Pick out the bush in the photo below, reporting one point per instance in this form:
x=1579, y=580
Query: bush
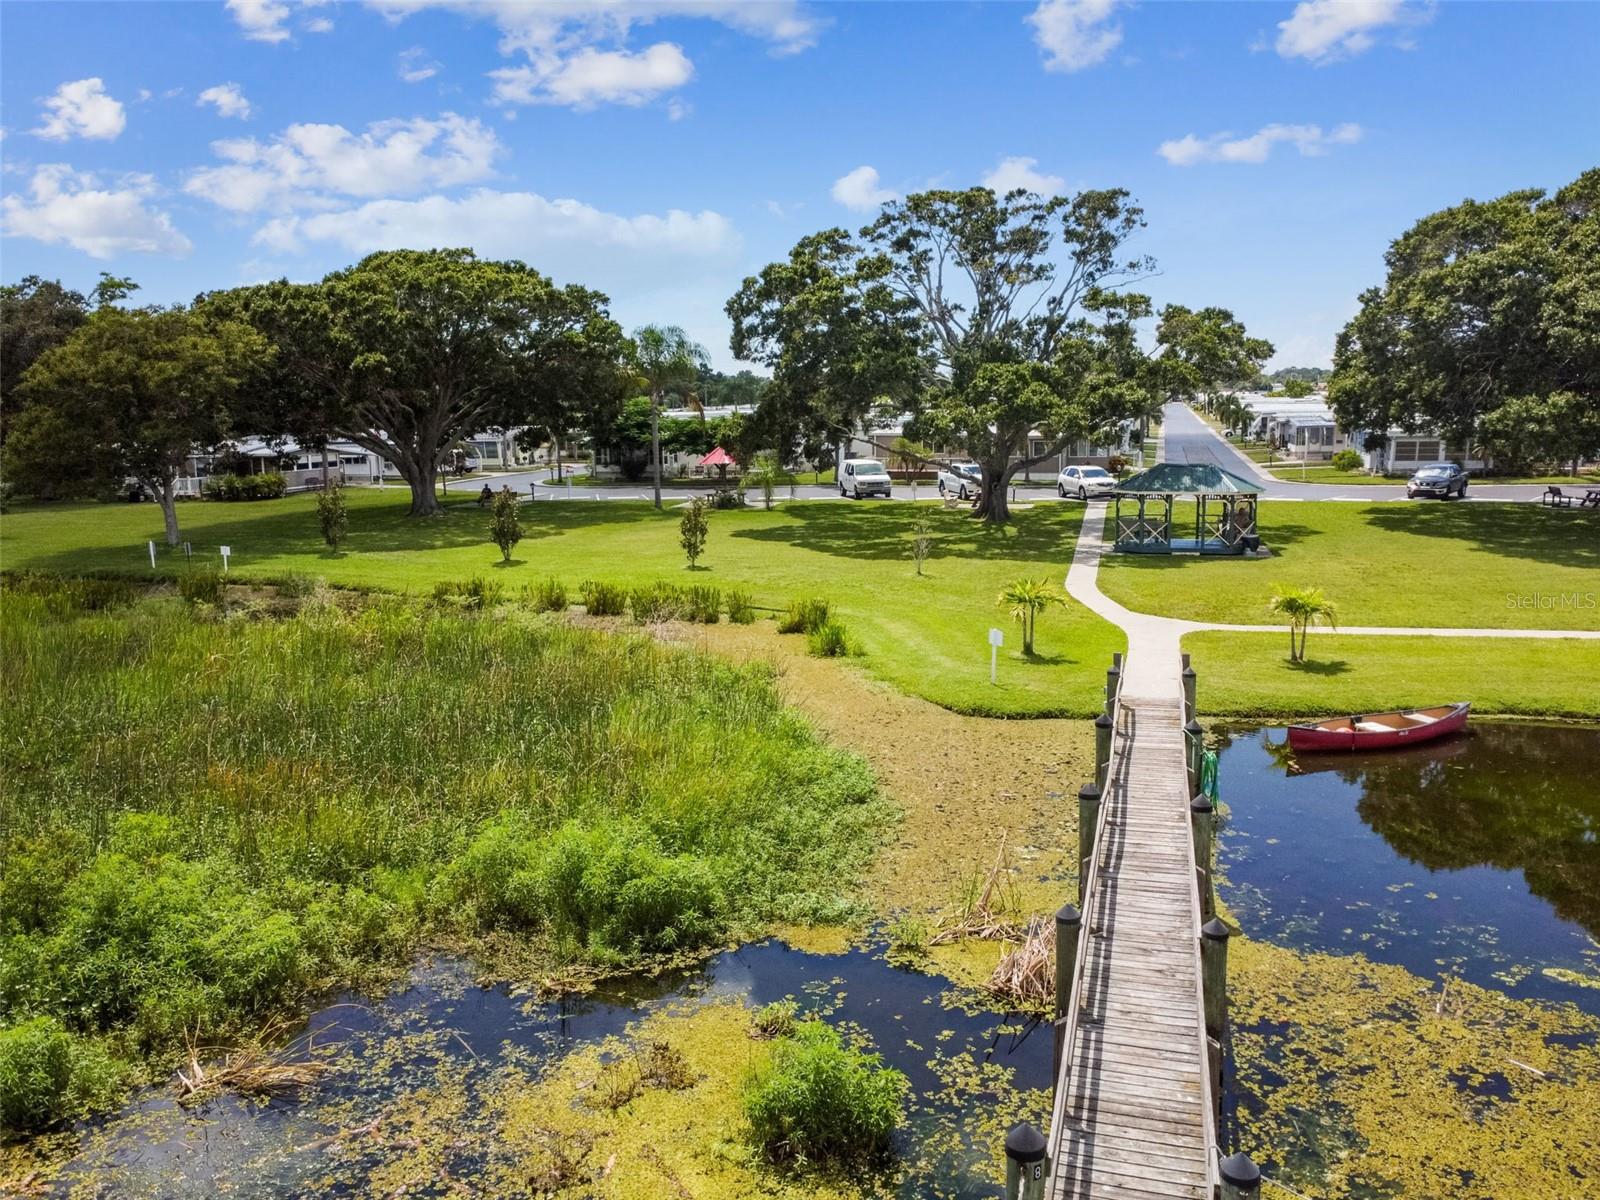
x=505, y=524
x=268, y=485
x=476, y=593
x=35, y=1073
x=828, y=640
x=657, y=602
x=201, y=585
x=333, y=516
x=702, y=604
x=804, y=616
x=821, y=1101
x=1346, y=460
x=548, y=595
x=740, y=609
x=603, y=599
x=296, y=585
x=726, y=498
x=692, y=529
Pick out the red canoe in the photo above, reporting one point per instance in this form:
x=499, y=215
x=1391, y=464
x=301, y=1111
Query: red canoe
x=1380, y=731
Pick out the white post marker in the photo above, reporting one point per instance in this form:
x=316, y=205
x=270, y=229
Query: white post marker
x=226, y=550
x=996, y=638
x=152, y=546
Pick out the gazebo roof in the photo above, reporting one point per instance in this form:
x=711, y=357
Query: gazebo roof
x=717, y=458
x=1188, y=479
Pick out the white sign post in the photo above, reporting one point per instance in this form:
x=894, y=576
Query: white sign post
x=152, y=546
x=226, y=550
x=996, y=639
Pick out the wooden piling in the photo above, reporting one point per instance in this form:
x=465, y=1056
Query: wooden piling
x=1194, y=746
x=1102, y=748
x=1025, y=1163
x=1088, y=818
x=1189, y=680
x=1069, y=924
x=1214, y=975
x=1113, y=680
x=1202, y=825
x=1241, y=1178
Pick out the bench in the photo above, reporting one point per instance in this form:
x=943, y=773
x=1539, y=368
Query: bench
x=1554, y=496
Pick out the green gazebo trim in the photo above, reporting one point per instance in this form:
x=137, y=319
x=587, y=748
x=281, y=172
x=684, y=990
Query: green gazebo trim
x=1225, y=510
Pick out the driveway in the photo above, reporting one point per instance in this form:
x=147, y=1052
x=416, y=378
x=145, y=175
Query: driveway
x=1189, y=439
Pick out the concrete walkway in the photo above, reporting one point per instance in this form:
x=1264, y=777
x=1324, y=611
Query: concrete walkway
x=1153, y=642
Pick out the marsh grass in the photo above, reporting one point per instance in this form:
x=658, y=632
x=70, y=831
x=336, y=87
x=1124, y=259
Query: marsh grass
x=203, y=819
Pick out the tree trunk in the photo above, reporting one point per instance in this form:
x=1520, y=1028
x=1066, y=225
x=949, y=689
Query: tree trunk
x=167, y=494
x=993, y=508
x=655, y=445
x=420, y=478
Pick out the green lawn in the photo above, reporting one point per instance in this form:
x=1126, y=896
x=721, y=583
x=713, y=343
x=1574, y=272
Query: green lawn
x=1249, y=674
x=1496, y=566
x=1327, y=474
x=927, y=636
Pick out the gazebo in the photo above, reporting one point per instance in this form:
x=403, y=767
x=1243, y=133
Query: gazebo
x=720, y=459
x=1224, y=510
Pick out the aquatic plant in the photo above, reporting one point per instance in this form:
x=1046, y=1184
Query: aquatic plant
x=603, y=599
x=777, y=1019
x=820, y=1101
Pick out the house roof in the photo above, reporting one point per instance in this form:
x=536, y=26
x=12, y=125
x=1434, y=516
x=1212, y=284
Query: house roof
x=1188, y=479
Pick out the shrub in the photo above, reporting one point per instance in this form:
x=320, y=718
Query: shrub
x=822, y=1101
x=268, y=485
x=702, y=604
x=505, y=524
x=603, y=599
x=921, y=543
x=1027, y=598
x=35, y=1073
x=548, y=595
x=201, y=585
x=1346, y=460
x=333, y=517
x=296, y=585
x=804, y=616
x=777, y=1019
x=726, y=498
x=657, y=602
x=828, y=640
x=740, y=609
x=692, y=528
x=476, y=593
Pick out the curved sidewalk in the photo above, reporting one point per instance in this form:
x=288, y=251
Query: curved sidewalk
x=1154, y=642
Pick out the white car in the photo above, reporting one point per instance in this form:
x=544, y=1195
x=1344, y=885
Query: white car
x=961, y=479
x=1084, y=482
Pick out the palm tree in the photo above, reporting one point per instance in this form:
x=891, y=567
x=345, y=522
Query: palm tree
x=1027, y=598
x=1303, y=607
x=665, y=357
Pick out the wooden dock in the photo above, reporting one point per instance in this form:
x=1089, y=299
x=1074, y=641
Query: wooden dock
x=1134, y=1112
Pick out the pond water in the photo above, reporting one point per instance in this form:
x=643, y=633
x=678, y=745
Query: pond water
x=445, y=1032
x=1478, y=856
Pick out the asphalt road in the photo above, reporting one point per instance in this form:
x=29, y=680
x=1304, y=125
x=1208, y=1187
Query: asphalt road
x=1189, y=439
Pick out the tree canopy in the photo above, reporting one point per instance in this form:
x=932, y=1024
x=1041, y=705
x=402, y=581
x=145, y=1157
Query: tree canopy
x=1486, y=329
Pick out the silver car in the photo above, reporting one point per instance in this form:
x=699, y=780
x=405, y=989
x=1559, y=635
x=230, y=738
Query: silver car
x=960, y=479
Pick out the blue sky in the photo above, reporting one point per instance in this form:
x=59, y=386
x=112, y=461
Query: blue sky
x=660, y=150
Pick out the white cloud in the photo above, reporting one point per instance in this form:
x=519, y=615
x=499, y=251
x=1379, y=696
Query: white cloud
x=1324, y=31
x=1257, y=147
x=70, y=207
x=677, y=109
x=267, y=20
x=592, y=77
x=1075, y=34
x=413, y=68
x=1018, y=172
x=229, y=100
x=82, y=109
x=859, y=189
x=312, y=165
x=577, y=51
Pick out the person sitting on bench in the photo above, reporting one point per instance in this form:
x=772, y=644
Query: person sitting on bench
x=486, y=497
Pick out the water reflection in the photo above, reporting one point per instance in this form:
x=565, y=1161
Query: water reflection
x=1479, y=855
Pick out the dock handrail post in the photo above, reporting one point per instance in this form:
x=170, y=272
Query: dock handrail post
x=1202, y=823
x=1188, y=677
x=1113, y=682
x=1102, y=748
x=1026, y=1165
x=1194, y=744
x=1214, y=971
x=1241, y=1178
x=1069, y=924
x=1088, y=818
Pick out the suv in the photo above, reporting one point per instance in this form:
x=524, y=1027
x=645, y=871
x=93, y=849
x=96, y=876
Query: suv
x=960, y=479
x=860, y=477
x=1084, y=482
x=1437, y=479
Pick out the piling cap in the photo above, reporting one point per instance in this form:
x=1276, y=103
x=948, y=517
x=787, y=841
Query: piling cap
x=1024, y=1144
x=1089, y=791
x=1238, y=1170
x=1188, y=671
x=1201, y=804
x=1193, y=728
x=1102, y=722
x=1068, y=914
x=1215, y=930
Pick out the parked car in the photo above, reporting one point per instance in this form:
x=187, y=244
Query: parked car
x=1437, y=479
x=960, y=479
x=1084, y=482
x=860, y=477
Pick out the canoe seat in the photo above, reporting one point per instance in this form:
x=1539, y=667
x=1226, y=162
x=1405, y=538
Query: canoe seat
x=1374, y=727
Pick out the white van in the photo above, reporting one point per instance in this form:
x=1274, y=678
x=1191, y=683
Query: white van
x=859, y=477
